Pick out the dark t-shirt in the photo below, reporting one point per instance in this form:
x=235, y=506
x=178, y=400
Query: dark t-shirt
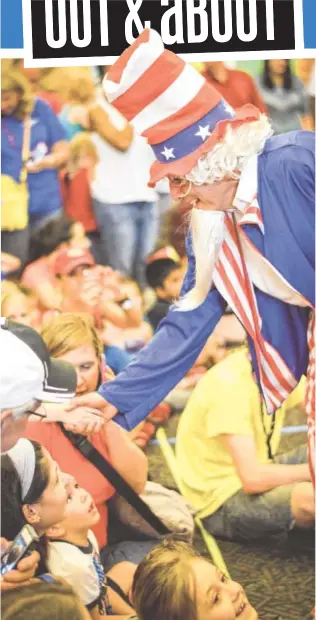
x=158, y=312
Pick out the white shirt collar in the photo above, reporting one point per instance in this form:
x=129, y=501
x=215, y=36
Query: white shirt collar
x=248, y=184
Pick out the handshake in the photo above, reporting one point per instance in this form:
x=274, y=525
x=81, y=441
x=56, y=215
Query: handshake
x=84, y=415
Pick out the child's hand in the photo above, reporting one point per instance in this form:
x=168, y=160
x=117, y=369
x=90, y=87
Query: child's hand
x=91, y=289
x=110, y=281
x=90, y=294
x=36, y=166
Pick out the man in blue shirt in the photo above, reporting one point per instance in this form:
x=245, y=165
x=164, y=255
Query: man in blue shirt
x=251, y=243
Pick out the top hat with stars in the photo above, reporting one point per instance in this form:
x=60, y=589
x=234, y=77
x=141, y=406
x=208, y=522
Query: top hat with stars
x=171, y=104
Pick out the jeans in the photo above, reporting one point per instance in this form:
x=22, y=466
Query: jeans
x=126, y=551
x=39, y=220
x=16, y=242
x=129, y=233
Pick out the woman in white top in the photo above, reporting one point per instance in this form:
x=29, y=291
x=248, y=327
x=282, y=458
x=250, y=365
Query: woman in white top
x=124, y=206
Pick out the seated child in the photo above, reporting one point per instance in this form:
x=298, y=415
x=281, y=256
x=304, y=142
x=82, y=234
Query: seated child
x=16, y=304
x=39, y=274
x=174, y=581
x=37, y=598
x=164, y=274
x=132, y=338
x=73, y=554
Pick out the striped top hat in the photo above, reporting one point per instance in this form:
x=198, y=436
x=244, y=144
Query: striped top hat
x=171, y=104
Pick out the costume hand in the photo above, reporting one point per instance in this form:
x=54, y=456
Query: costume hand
x=95, y=400
x=23, y=573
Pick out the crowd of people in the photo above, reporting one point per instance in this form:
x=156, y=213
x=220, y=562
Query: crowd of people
x=93, y=261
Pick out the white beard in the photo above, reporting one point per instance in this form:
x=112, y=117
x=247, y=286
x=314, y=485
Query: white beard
x=207, y=230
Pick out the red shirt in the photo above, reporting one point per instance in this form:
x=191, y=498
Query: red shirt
x=238, y=90
x=77, y=199
x=72, y=462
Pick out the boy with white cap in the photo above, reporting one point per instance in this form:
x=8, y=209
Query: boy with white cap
x=28, y=376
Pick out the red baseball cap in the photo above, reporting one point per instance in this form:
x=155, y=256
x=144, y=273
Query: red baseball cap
x=67, y=259
x=163, y=253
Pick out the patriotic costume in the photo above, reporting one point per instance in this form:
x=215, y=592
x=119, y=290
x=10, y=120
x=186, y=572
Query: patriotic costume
x=266, y=266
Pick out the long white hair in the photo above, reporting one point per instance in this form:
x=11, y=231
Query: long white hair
x=226, y=160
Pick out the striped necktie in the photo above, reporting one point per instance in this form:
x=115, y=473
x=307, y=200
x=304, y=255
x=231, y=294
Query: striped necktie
x=232, y=281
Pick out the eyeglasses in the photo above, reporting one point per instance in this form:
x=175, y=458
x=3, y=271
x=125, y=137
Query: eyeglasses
x=181, y=182
x=178, y=181
x=38, y=415
x=36, y=412
x=31, y=409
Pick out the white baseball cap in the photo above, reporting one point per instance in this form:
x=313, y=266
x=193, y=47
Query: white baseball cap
x=28, y=372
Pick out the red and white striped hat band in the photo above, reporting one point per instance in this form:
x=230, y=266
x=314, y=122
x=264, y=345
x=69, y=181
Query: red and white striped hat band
x=171, y=104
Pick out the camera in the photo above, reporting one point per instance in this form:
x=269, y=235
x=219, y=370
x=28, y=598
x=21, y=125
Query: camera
x=19, y=548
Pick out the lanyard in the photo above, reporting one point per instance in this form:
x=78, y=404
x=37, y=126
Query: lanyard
x=268, y=434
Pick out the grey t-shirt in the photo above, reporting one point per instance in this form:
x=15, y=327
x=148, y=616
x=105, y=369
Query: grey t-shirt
x=285, y=106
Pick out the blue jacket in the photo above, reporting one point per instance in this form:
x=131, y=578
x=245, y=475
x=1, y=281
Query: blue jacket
x=286, y=196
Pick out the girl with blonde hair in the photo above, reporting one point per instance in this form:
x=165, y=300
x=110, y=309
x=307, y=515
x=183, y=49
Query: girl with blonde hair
x=175, y=582
x=83, y=112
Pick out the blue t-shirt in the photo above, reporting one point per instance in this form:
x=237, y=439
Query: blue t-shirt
x=116, y=358
x=71, y=129
x=46, y=130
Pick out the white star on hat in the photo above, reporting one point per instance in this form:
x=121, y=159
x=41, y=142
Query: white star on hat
x=168, y=153
x=203, y=132
x=229, y=108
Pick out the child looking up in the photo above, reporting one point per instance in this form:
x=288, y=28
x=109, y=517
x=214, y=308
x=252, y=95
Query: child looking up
x=73, y=554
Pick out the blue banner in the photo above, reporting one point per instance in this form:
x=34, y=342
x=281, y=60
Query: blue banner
x=309, y=20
